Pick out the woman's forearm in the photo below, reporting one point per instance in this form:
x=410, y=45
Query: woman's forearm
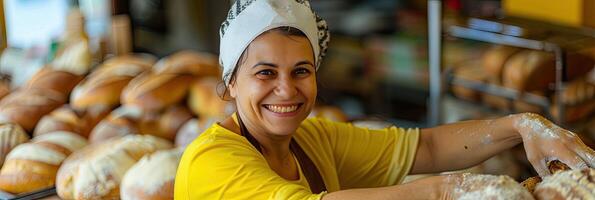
x=464, y=144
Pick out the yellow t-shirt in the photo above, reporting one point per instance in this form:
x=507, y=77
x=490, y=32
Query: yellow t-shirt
x=221, y=164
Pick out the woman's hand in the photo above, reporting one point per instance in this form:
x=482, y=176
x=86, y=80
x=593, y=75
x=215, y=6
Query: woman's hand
x=544, y=141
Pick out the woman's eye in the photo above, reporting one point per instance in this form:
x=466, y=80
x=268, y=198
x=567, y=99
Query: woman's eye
x=302, y=71
x=265, y=72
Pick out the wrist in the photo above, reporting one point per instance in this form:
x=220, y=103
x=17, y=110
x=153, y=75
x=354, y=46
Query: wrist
x=512, y=124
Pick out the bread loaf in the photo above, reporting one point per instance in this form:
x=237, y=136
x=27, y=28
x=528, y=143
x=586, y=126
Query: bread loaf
x=474, y=186
x=152, y=178
x=578, y=98
x=69, y=119
x=96, y=171
x=494, y=60
x=329, y=112
x=120, y=122
x=573, y=184
x=104, y=86
x=192, y=129
x=154, y=92
x=531, y=183
x=49, y=79
x=528, y=70
x=144, y=60
x=578, y=91
x=204, y=101
x=190, y=62
x=535, y=70
x=11, y=135
x=470, y=71
x=165, y=124
x=26, y=107
x=33, y=166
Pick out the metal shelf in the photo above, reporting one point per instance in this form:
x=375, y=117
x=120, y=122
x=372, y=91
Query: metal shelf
x=495, y=33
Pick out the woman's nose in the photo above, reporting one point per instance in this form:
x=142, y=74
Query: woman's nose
x=286, y=88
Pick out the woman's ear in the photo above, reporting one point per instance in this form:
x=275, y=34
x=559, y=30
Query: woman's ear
x=232, y=90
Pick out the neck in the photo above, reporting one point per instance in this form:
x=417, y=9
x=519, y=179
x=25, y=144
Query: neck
x=272, y=146
x=275, y=149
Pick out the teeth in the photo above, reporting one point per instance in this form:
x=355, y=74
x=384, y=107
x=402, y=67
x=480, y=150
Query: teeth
x=282, y=109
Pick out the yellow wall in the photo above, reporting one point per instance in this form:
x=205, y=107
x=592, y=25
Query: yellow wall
x=567, y=12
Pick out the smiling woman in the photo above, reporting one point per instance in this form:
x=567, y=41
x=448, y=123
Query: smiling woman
x=270, y=51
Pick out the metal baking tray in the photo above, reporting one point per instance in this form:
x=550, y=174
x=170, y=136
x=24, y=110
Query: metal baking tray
x=29, y=195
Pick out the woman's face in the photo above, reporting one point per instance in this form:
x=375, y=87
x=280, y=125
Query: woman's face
x=275, y=85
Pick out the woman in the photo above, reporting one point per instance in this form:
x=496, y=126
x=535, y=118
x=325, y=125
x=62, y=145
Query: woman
x=270, y=51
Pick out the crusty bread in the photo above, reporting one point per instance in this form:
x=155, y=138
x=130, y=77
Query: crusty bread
x=49, y=79
x=11, y=135
x=193, y=128
x=190, y=62
x=26, y=107
x=329, y=112
x=120, y=122
x=494, y=59
x=572, y=184
x=479, y=186
x=95, y=172
x=531, y=70
x=67, y=118
x=165, y=124
x=33, y=166
x=470, y=71
x=204, y=101
x=152, y=177
x=144, y=60
x=154, y=92
x=104, y=86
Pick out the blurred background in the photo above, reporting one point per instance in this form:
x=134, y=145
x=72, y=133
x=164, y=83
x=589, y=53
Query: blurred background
x=481, y=60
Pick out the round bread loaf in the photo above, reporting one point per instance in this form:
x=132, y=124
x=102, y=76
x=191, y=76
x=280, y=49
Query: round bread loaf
x=205, y=102
x=67, y=118
x=26, y=107
x=470, y=71
x=11, y=135
x=572, y=184
x=120, y=122
x=152, y=178
x=164, y=124
x=193, y=128
x=104, y=86
x=96, y=171
x=329, y=112
x=190, y=62
x=490, y=187
x=50, y=79
x=495, y=58
x=154, y=92
x=33, y=166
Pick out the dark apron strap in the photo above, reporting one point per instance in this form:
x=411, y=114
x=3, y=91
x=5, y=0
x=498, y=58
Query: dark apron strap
x=308, y=167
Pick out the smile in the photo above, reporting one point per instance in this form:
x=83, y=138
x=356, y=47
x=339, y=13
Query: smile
x=282, y=108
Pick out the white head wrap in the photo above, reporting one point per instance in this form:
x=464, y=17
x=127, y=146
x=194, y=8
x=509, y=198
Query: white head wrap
x=247, y=19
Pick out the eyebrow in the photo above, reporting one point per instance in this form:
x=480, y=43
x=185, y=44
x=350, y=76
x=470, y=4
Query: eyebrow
x=275, y=65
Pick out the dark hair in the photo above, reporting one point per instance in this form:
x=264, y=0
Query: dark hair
x=222, y=89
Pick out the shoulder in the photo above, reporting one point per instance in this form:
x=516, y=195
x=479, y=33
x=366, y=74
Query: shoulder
x=218, y=141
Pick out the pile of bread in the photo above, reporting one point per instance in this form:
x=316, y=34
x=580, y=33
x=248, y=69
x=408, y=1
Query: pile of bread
x=563, y=184
x=116, y=132
x=530, y=72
